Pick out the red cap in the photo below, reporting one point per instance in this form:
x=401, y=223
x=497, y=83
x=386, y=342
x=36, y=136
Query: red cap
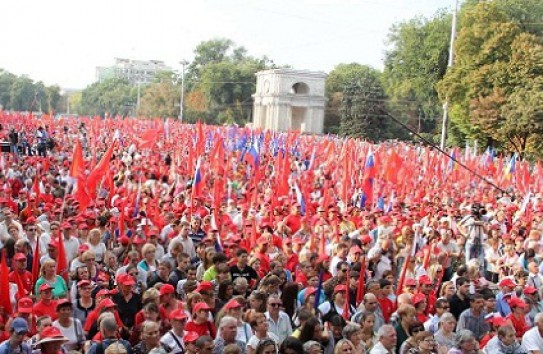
x=19, y=257
x=125, y=279
x=530, y=290
x=106, y=304
x=410, y=282
x=262, y=241
x=507, y=282
x=103, y=292
x=340, y=288
x=418, y=298
x=166, y=289
x=309, y=291
x=178, y=315
x=190, y=337
x=204, y=286
x=84, y=247
x=517, y=302
x=25, y=305
x=83, y=283
x=66, y=225
x=200, y=306
x=232, y=304
x=366, y=239
x=425, y=280
x=45, y=287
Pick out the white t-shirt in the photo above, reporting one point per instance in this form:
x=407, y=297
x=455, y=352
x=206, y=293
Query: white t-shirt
x=98, y=250
x=253, y=341
x=532, y=341
x=70, y=333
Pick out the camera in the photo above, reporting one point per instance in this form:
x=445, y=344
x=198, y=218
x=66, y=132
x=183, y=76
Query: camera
x=477, y=211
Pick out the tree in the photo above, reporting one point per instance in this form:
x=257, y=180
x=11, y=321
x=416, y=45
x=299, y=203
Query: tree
x=113, y=96
x=494, y=87
x=22, y=95
x=363, y=106
x=6, y=82
x=160, y=100
x=414, y=64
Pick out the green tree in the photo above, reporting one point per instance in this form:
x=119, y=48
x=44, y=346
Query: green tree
x=414, y=64
x=363, y=106
x=113, y=96
x=6, y=82
x=493, y=87
x=22, y=94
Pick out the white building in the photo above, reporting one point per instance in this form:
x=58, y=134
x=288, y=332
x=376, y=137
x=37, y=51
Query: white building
x=287, y=99
x=134, y=71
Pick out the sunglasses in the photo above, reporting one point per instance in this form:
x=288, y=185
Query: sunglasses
x=276, y=304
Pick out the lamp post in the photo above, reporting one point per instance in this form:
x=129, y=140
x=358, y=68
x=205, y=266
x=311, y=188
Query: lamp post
x=183, y=63
x=449, y=65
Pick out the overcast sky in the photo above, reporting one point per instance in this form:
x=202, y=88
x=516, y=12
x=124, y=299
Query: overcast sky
x=62, y=41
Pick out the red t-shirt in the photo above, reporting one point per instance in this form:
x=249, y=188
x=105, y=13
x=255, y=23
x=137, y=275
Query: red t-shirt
x=206, y=328
x=387, y=307
x=26, y=280
x=293, y=222
x=41, y=309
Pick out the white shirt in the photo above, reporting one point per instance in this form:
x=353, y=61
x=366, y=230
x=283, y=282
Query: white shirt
x=169, y=340
x=282, y=328
x=532, y=341
x=379, y=348
x=70, y=333
x=253, y=341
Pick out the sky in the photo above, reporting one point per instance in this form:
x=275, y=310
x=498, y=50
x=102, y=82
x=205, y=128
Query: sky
x=63, y=41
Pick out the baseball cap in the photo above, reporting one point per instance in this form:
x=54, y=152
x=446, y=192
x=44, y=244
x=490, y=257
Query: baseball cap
x=200, y=306
x=19, y=325
x=25, y=305
x=190, y=337
x=204, y=286
x=45, y=287
x=125, y=279
x=507, y=282
x=166, y=289
x=19, y=257
x=340, y=288
x=232, y=304
x=178, y=315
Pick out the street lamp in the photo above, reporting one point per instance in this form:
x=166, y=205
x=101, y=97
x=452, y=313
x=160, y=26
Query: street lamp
x=183, y=63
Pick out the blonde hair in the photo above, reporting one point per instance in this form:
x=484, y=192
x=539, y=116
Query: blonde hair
x=46, y=263
x=86, y=255
x=151, y=294
x=148, y=247
x=116, y=348
x=93, y=232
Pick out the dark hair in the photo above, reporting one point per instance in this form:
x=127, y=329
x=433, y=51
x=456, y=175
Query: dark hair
x=440, y=302
x=475, y=297
x=289, y=295
x=384, y=282
x=223, y=286
x=219, y=258
x=461, y=281
x=292, y=344
x=341, y=264
x=263, y=344
x=241, y=251
x=337, y=321
x=415, y=327
x=308, y=329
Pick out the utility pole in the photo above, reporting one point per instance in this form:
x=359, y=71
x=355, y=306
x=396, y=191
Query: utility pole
x=449, y=65
x=181, y=102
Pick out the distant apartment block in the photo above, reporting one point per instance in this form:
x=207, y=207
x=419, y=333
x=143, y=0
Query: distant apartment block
x=134, y=71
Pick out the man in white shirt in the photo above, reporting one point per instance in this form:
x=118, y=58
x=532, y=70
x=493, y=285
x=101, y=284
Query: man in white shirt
x=172, y=341
x=278, y=321
x=387, y=341
x=532, y=340
x=185, y=240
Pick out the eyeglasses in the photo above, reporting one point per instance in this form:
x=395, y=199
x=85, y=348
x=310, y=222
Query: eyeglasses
x=429, y=340
x=275, y=304
x=344, y=270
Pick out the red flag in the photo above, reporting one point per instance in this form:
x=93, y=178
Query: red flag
x=121, y=219
x=347, y=305
x=360, y=292
x=78, y=164
x=100, y=170
x=81, y=194
x=36, y=263
x=200, y=140
x=5, y=301
x=62, y=264
x=36, y=187
x=149, y=138
x=399, y=290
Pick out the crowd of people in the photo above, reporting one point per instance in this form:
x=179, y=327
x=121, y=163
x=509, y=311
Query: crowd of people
x=144, y=236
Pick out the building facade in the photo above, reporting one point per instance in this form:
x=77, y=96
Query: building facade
x=287, y=99
x=134, y=71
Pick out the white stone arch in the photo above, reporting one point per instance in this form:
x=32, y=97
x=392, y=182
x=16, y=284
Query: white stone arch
x=287, y=99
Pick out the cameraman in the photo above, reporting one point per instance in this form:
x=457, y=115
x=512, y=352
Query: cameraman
x=473, y=227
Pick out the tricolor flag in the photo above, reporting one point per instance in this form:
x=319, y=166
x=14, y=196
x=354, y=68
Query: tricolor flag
x=300, y=198
x=197, y=183
x=510, y=168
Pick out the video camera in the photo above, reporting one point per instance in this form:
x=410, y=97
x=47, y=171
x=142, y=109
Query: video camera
x=477, y=211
